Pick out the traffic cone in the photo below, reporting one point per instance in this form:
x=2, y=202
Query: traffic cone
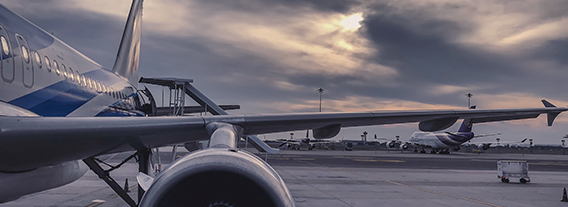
x=127, y=189
x=564, y=197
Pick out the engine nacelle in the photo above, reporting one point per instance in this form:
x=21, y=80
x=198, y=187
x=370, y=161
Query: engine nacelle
x=403, y=146
x=391, y=144
x=486, y=146
x=457, y=148
x=218, y=177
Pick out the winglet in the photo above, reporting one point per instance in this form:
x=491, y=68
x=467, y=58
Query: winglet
x=547, y=104
x=551, y=115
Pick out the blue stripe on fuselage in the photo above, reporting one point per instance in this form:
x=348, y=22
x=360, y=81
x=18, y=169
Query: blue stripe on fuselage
x=59, y=99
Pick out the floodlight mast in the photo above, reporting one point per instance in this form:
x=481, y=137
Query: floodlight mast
x=320, y=91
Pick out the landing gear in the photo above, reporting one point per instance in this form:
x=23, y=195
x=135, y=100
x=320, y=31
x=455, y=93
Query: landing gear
x=433, y=151
x=505, y=180
x=445, y=151
x=415, y=150
x=422, y=151
x=143, y=158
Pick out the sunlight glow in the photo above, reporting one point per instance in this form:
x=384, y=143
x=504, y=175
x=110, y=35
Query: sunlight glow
x=352, y=22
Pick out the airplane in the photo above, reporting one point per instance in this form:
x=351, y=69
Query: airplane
x=60, y=111
x=304, y=141
x=443, y=142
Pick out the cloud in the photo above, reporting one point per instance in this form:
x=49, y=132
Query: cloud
x=271, y=55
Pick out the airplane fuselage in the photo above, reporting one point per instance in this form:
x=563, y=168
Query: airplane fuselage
x=42, y=74
x=440, y=140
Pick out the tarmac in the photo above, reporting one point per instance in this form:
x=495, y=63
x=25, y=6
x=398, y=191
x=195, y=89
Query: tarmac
x=363, y=178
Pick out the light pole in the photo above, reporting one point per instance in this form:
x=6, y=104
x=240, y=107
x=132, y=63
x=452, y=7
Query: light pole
x=365, y=135
x=320, y=91
x=469, y=95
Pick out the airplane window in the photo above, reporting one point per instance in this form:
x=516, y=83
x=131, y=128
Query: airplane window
x=78, y=77
x=5, y=46
x=71, y=74
x=38, y=59
x=25, y=54
x=56, y=66
x=47, y=64
x=64, y=70
x=84, y=80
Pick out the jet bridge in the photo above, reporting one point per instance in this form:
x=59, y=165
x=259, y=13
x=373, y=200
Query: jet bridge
x=180, y=86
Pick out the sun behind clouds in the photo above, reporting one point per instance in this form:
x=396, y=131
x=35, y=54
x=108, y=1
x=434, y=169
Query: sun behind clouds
x=352, y=22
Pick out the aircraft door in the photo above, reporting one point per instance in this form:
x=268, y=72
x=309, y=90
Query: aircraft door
x=6, y=56
x=27, y=67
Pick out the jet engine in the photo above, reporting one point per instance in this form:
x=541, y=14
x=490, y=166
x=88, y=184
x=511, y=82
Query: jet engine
x=391, y=144
x=218, y=177
x=457, y=148
x=403, y=146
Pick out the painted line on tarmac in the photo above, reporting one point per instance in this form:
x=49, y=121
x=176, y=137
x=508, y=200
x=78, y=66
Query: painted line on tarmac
x=373, y=160
x=440, y=193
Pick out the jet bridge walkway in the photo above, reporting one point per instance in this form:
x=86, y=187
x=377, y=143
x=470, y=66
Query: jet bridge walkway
x=180, y=86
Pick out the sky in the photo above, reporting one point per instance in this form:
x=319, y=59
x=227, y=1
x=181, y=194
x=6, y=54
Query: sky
x=270, y=56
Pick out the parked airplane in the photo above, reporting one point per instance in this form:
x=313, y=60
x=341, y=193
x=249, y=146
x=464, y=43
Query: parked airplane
x=297, y=143
x=58, y=112
x=443, y=142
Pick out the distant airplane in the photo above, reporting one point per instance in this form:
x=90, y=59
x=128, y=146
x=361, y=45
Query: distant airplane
x=297, y=143
x=60, y=110
x=442, y=142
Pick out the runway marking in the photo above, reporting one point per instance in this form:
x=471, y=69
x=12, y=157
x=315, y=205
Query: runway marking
x=373, y=160
x=392, y=160
x=279, y=158
x=440, y=193
x=365, y=160
x=95, y=203
x=291, y=156
x=304, y=159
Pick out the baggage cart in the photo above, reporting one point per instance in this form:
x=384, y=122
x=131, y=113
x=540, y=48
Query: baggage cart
x=513, y=170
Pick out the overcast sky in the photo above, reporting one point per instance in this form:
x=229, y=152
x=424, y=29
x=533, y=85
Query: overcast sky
x=270, y=56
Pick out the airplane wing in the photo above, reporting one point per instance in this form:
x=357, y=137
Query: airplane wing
x=32, y=142
x=500, y=142
x=486, y=135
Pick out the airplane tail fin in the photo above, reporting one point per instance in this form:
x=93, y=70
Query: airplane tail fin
x=126, y=64
x=466, y=126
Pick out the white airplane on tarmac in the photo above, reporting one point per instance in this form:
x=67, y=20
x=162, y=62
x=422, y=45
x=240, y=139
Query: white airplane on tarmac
x=442, y=142
x=60, y=110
